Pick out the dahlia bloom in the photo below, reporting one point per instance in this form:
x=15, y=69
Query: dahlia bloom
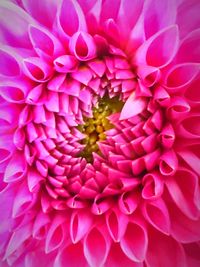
x=100, y=133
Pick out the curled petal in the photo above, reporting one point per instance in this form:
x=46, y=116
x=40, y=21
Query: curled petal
x=191, y=93
x=185, y=192
x=41, y=222
x=16, y=168
x=116, y=224
x=180, y=76
x=156, y=51
x=152, y=186
x=178, y=107
x=136, y=251
x=96, y=247
x=56, y=233
x=128, y=202
x=65, y=63
x=168, y=163
x=149, y=75
x=24, y=201
x=157, y=215
x=6, y=148
x=190, y=127
x=161, y=96
x=37, y=70
x=34, y=180
x=45, y=44
x=80, y=224
x=167, y=136
x=74, y=21
x=82, y=46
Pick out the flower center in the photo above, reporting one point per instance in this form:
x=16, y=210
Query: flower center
x=95, y=128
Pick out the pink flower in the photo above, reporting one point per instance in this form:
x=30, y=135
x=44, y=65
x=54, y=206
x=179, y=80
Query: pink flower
x=100, y=133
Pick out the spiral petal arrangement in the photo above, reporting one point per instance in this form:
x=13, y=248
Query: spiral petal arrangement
x=99, y=133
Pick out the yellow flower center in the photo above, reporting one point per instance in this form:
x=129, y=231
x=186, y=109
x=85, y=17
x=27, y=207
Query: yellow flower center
x=94, y=128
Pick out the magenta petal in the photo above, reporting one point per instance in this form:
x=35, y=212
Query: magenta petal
x=80, y=224
x=153, y=186
x=149, y=75
x=71, y=256
x=156, y=51
x=41, y=222
x=56, y=234
x=136, y=251
x=24, y=200
x=65, y=63
x=16, y=168
x=34, y=180
x=168, y=163
x=157, y=215
x=17, y=239
x=116, y=223
x=185, y=192
x=82, y=46
x=74, y=21
x=164, y=247
x=9, y=63
x=132, y=107
x=45, y=44
x=96, y=248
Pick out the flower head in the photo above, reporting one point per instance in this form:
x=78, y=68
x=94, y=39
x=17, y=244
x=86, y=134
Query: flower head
x=99, y=135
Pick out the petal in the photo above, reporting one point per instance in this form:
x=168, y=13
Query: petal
x=157, y=215
x=15, y=31
x=164, y=251
x=16, y=168
x=136, y=250
x=149, y=75
x=82, y=46
x=74, y=21
x=185, y=192
x=180, y=76
x=65, y=64
x=152, y=186
x=24, y=200
x=96, y=248
x=10, y=64
x=192, y=254
x=118, y=259
x=168, y=163
x=36, y=9
x=128, y=202
x=45, y=44
x=116, y=224
x=41, y=222
x=37, y=70
x=71, y=256
x=156, y=51
x=34, y=180
x=56, y=233
x=80, y=224
x=132, y=107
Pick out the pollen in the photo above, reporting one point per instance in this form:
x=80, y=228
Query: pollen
x=95, y=128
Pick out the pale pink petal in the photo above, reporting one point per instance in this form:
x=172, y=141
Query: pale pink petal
x=43, y=11
x=14, y=32
x=133, y=106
